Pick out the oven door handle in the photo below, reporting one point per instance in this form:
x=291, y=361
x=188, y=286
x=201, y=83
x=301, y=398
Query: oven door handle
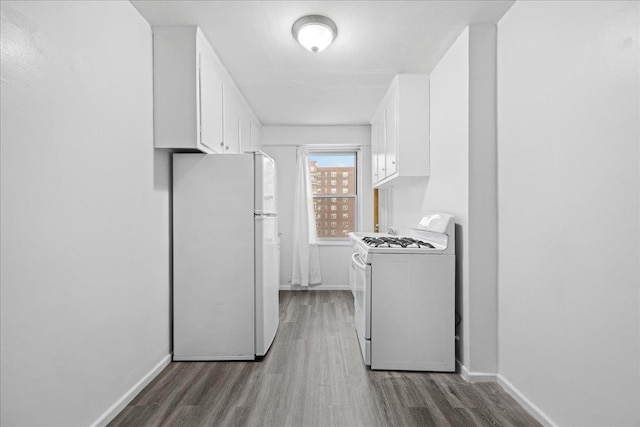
x=358, y=261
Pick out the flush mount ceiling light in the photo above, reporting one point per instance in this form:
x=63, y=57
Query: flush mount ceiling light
x=314, y=32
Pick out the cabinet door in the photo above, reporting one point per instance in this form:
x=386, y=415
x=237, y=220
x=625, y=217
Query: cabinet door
x=210, y=102
x=391, y=143
x=255, y=136
x=382, y=136
x=231, y=123
x=374, y=152
x=245, y=131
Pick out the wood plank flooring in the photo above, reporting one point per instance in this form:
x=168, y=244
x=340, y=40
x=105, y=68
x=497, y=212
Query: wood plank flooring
x=313, y=375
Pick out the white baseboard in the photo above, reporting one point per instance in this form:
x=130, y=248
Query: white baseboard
x=115, y=409
x=525, y=403
x=475, y=377
x=320, y=287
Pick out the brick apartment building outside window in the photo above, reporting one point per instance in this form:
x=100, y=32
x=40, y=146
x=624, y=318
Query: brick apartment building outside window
x=334, y=195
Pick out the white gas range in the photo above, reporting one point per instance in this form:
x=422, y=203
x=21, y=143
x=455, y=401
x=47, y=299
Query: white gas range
x=404, y=292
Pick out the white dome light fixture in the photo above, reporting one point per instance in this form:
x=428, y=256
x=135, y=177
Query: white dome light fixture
x=314, y=32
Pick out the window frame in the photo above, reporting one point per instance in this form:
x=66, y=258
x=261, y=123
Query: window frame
x=356, y=152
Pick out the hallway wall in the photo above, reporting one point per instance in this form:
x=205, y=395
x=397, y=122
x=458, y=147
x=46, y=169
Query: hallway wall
x=569, y=98
x=85, y=212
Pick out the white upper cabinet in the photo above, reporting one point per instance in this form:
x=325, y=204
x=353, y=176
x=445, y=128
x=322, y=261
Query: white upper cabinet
x=400, y=131
x=256, y=144
x=210, y=99
x=245, y=131
x=374, y=150
x=231, y=122
x=196, y=103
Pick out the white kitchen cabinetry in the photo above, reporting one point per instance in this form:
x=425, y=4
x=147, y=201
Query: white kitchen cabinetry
x=231, y=122
x=245, y=131
x=256, y=143
x=197, y=106
x=241, y=130
x=374, y=150
x=187, y=91
x=400, y=131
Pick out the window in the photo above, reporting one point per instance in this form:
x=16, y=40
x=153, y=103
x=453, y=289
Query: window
x=334, y=165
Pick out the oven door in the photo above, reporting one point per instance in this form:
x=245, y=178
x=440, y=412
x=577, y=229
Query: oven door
x=362, y=303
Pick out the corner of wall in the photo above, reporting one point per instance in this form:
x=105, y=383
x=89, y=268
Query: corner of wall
x=529, y=406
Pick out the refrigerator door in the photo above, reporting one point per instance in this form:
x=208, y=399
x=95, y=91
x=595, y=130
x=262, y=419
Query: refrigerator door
x=265, y=186
x=213, y=257
x=267, y=271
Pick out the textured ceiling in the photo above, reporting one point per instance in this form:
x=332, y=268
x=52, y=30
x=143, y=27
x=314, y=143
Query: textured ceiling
x=287, y=85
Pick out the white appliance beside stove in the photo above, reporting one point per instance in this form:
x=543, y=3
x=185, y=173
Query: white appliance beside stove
x=405, y=296
x=225, y=256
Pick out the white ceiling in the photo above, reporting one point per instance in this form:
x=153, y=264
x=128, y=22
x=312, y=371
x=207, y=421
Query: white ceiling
x=287, y=85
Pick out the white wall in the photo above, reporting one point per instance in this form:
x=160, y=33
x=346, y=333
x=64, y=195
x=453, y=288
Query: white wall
x=84, y=214
x=482, y=318
x=448, y=187
x=463, y=182
x=280, y=142
x=569, y=210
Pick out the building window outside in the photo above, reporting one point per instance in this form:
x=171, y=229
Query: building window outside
x=325, y=194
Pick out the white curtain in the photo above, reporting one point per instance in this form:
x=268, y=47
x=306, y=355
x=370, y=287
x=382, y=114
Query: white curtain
x=305, y=261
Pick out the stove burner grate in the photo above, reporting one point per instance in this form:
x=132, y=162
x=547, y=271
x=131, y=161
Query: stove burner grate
x=395, y=242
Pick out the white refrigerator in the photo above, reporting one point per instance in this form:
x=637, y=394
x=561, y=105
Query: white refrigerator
x=226, y=256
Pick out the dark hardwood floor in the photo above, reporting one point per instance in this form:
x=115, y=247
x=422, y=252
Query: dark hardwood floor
x=314, y=376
